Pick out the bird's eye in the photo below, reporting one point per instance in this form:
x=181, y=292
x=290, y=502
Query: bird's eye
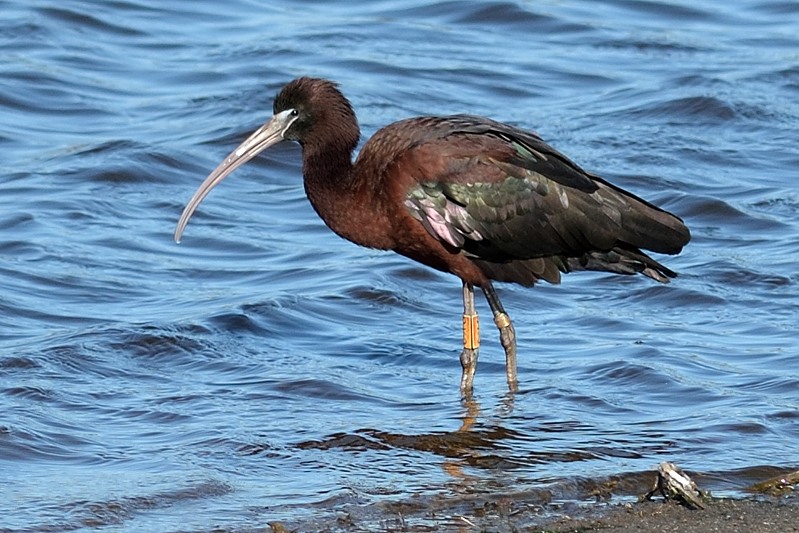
x=294, y=112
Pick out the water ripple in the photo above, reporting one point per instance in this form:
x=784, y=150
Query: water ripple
x=264, y=360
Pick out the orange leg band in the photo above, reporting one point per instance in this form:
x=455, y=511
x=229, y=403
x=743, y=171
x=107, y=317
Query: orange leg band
x=471, y=332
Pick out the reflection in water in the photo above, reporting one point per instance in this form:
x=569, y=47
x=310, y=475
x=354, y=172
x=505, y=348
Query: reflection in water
x=475, y=444
x=468, y=419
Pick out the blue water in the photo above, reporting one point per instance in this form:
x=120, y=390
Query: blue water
x=265, y=370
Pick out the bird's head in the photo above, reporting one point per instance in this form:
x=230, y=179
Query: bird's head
x=317, y=106
x=311, y=111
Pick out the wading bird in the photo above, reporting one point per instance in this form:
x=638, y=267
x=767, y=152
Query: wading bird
x=462, y=194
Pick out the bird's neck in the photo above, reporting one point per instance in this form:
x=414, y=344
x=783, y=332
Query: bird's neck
x=342, y=199
x=327, y=172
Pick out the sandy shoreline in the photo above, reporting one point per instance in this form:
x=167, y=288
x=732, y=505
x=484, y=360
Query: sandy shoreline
x=757, y=514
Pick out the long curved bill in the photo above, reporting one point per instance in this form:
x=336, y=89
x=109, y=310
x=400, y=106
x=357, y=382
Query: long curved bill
x=270, y=133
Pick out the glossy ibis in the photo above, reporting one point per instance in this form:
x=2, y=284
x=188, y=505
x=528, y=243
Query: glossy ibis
x=462, y=194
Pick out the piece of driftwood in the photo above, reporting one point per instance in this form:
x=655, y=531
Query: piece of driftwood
x=675, y=485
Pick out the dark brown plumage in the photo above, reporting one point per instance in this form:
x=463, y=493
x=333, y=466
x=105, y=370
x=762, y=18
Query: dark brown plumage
x=462, y=194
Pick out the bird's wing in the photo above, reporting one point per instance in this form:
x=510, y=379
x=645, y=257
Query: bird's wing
x=500, y=193
x=498, y=204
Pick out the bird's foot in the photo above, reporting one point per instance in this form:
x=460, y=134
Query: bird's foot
x=507, y=336
x=469, y=364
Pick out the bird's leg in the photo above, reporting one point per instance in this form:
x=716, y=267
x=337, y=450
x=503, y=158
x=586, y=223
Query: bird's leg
x=507, y=335
x=471, y=339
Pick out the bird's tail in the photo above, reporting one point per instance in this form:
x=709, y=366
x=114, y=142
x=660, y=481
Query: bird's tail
x=646, y=226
